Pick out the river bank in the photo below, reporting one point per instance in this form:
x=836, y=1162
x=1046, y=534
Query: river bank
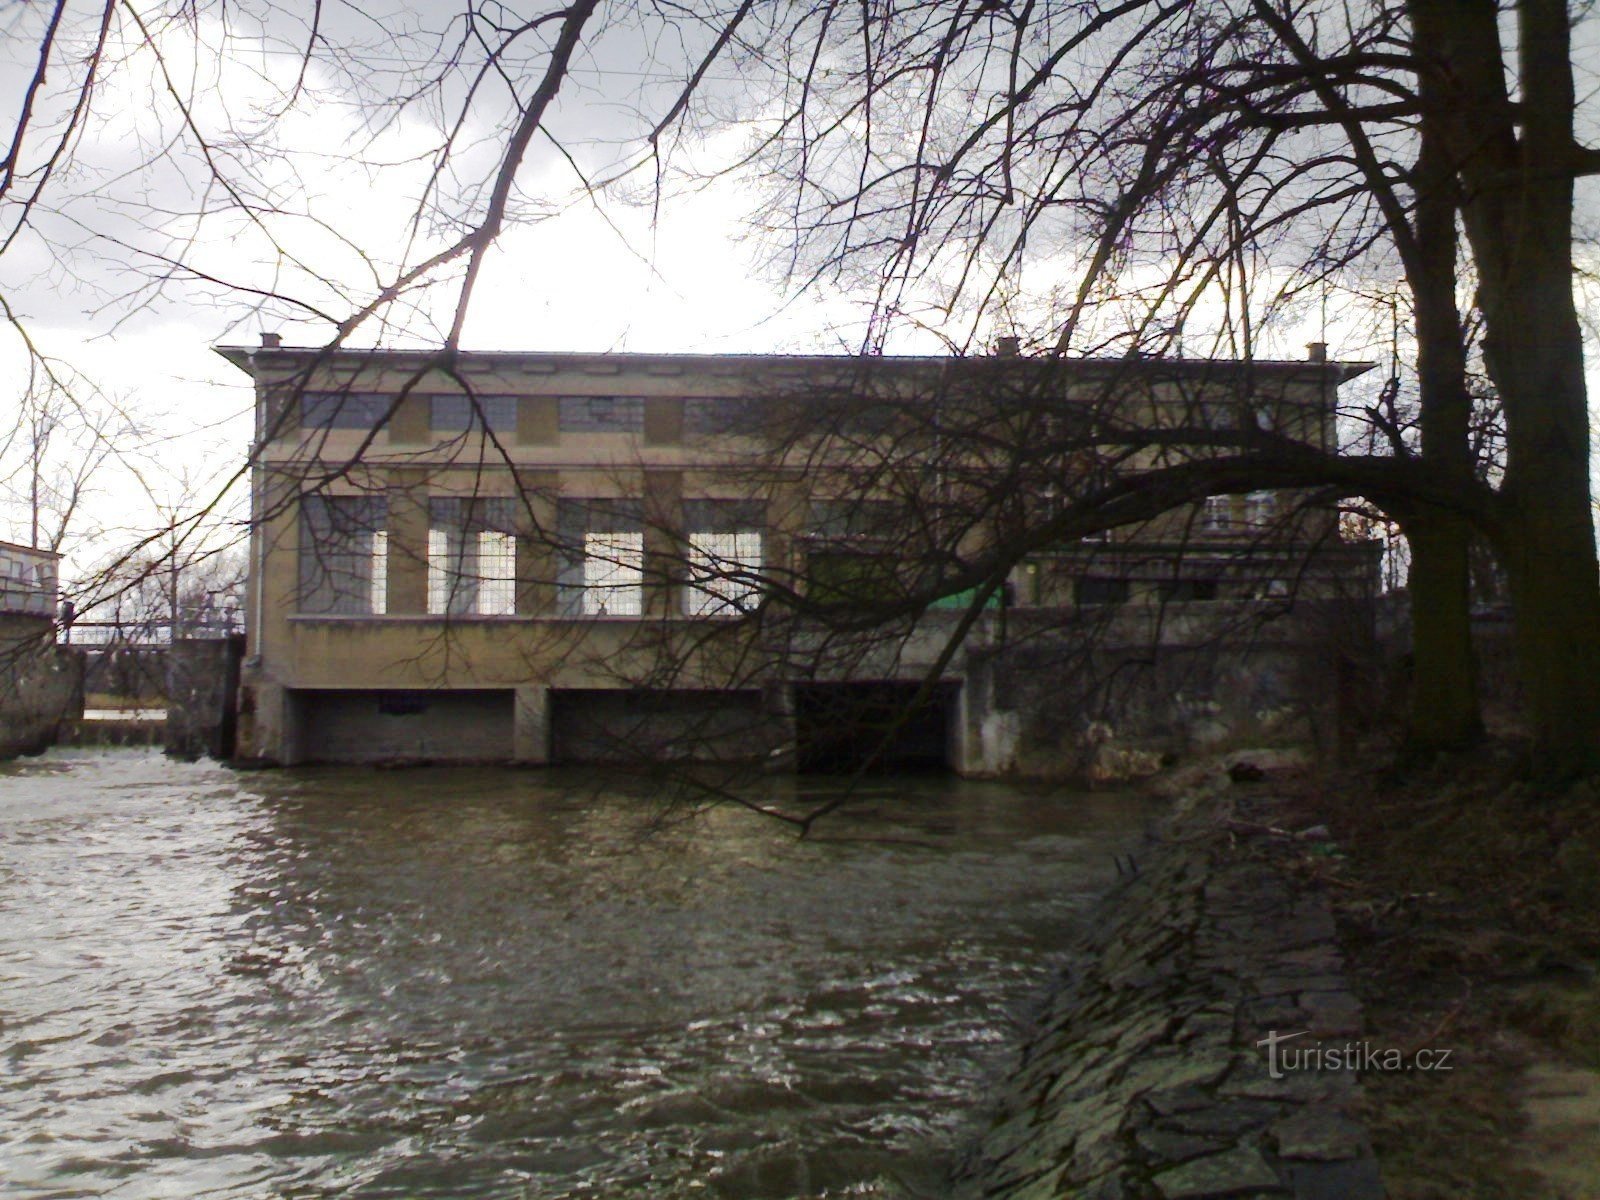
x=1202, y=1049
x=1439, y=924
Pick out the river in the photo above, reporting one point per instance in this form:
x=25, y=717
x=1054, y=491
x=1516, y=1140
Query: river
x=463, y=983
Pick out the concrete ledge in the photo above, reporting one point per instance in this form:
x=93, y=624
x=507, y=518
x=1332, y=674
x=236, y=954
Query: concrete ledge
x=1145, y=1076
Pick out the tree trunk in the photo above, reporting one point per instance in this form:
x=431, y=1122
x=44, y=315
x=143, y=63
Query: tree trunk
x=1516, y=164
x=1444, y=694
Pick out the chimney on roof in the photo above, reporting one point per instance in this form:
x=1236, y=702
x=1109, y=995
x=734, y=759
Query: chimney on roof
x=1316, y=351
x=271, y=341
x=1009, y=346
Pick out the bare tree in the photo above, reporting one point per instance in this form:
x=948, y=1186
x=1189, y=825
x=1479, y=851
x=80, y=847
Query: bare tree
x=1200, y=168
x=1119, y=180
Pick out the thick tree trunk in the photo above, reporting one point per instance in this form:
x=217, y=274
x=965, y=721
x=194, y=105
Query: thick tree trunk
x=1444, y=697
x=1444, y=694
x=1516, y=164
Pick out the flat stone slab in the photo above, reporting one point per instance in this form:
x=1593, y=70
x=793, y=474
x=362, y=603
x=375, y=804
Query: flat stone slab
x=1236, y=1172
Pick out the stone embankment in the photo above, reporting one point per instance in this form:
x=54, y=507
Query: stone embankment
x=1146, y=1076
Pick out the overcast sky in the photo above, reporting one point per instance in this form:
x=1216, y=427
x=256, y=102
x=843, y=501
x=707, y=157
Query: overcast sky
x=335, y=178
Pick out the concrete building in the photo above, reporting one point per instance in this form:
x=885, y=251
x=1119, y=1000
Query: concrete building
x=40, y=683
x=537, y=557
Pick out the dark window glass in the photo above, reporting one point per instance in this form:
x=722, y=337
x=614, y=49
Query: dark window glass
x=1178, y=591
x=712, y=415
x=344, y=410
x=857, y=520
x=1093, y=590
x=343, y=554
x=601, y=414
x=451, y=414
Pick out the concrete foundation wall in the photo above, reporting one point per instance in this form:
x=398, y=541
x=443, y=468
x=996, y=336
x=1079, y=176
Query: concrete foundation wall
x=596, y=726
x=202, y=696
x=41, y=684
x=1059, y=702
x=413, y=726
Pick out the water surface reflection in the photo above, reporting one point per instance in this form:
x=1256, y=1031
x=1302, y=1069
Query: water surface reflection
x=487, y=983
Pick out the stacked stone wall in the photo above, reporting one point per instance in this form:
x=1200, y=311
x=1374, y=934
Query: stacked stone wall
x=1145, y=1077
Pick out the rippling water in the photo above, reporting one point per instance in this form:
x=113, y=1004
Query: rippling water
x=480, y=983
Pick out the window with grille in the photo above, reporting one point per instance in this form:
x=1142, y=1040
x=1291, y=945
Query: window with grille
x=453, y=414
x=602, y=553
x=857, y=520
x=724, y=557
x=344, y=552
x=1260, y=508
x=711, y=415
x=601, y=414
x=344, y=410
x=1216, y=515
x=472, y=556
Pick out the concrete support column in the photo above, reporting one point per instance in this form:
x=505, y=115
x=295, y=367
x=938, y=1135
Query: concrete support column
x=410, y=423
x=777, y=702
x=788, y=519
x=266, y=731
x=408, y=543
x=538, y=421
x=663, y=542
x=530, y=729
x=663, y=420
x=538, y=559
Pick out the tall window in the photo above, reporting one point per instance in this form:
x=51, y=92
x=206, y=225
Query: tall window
x=602, y=569
x=724, y=557
x=344, y=552
x=472, y=556
x=852, y=557
x=1260, y=509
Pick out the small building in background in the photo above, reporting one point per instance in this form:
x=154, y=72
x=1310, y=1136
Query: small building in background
x=40, y=683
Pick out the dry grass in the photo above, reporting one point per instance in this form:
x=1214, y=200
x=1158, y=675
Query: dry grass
x=1469, y=905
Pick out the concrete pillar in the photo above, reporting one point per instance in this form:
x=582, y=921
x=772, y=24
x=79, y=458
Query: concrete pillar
x=266, y=723
x=537, y=558
x=538, y=421
x=663, y=420
x=408, y=543
x=410, y=423
x=530, y=729
x=777, y=701
x=664, y=564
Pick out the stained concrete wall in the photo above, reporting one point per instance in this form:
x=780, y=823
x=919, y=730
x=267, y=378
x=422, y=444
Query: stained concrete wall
x=1115, y=699
x=41, y=684
x=616, y=726
x=202, y=695
x=402, y=726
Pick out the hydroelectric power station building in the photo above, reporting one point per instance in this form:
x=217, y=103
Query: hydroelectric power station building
x=552, y=557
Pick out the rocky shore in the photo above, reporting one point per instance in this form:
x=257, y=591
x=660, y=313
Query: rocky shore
x=1147, y=1074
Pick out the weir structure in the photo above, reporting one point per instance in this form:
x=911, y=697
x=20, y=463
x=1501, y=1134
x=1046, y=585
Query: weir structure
x=557, y=557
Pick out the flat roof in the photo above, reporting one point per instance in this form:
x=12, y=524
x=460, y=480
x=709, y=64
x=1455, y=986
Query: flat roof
x=245, y=357
x=40, y=551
